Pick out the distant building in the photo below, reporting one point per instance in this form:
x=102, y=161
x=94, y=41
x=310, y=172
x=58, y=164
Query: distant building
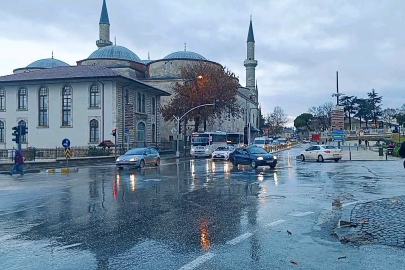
x=111, y=89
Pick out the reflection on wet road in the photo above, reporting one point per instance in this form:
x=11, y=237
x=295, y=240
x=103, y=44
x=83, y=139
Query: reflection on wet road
x=181, y=215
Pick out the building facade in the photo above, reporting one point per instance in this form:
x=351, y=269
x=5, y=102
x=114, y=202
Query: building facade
x=111, y=89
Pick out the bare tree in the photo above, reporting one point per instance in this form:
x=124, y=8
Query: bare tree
x=388, y=115
x=322, y=115
x=276, y=120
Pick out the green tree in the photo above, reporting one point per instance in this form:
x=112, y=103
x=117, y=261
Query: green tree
x=303, y=121
x=363, y=110
x=374, y=101
x=349, y=103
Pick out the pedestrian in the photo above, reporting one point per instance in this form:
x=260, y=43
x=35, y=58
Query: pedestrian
x=18, y=163
x=359, y=141
x=401, y=151
x=366, y=142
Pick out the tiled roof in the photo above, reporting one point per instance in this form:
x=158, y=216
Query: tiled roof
x=72, y=72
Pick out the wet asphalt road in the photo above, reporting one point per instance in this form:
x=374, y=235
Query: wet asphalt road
x=193, y=214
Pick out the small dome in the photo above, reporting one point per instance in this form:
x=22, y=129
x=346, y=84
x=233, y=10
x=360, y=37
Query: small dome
x=115, y=52
x=184, y=55
x=47, y=63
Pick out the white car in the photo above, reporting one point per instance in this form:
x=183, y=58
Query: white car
x=321, y=153
x=222, y=152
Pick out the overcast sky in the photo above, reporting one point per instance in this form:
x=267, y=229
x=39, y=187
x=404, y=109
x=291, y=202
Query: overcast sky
x=299, y=44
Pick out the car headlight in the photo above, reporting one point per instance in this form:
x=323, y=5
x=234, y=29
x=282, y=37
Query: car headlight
x=133, y=159
x=259, y=158
x=275, y=157
x=118, y=159
x=207, y=150
x=192, y=151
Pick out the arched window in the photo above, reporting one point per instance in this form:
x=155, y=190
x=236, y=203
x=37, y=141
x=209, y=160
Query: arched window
x=2, y=132
x=94, y=96
x=67, y=106
x=139, y=103
x=153, y=106
x=94, y=131
x=23, y=138
x=143, y=103
x=141, y=132
x=43, y=107
x=2, y=99
x=153, y=133
x=126, y=96
x=22, y=98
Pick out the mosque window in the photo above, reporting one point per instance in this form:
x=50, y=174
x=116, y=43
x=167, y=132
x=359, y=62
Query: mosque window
x=2, y=99
x=143, y=103
x=139, y=103
x=67, y=106
x=141, y=132
x=2, y=132
x=153, y=132
x=94, y=96
x=94, y=131
x=126, y=96
x=23, y=137
x=22, y=98
x=43, y=107
x=153, y=106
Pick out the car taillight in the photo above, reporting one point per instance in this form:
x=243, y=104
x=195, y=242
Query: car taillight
x=341, y=150
x=328, y=152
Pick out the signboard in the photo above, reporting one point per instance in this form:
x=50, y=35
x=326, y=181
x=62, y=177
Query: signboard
x=66, y=143
x=338, y=135
x=68, y=153
x=338, y=118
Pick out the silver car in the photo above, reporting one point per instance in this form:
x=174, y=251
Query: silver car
x=138, y=157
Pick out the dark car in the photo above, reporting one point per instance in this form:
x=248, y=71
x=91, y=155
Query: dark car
x=255, y=156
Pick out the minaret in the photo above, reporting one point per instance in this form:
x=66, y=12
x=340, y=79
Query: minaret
x=250, y=62
x=104, y=28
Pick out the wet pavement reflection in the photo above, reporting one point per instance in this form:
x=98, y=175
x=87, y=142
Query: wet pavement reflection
x=163, y=217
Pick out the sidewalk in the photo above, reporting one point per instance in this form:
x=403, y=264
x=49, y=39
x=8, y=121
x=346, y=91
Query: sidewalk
x=364, y=155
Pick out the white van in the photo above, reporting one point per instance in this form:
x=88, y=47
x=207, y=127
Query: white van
x=262, y=142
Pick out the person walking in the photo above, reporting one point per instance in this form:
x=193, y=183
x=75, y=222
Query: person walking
x=18, y=163
x=401, y=151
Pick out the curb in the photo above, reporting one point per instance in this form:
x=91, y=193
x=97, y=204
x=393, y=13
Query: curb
x=63, y=170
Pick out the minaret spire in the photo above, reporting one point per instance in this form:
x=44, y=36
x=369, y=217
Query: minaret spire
x=52, y=54
x=250, y=62
x=185, y=46
x=104, y=28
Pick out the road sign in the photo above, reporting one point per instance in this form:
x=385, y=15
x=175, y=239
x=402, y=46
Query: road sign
x=174, y=130
x=66, y=143
x=126, y=130
x=338, y=135
x=68, y=153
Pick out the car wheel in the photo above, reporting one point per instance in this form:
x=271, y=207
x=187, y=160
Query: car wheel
x=253, y=164
x=337, y=159
x=142, y=164
x=157, y=162
x=302, y=158
x=320, y=158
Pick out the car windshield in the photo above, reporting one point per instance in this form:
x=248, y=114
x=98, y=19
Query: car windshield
x=257, y=150
x=259, y=141
x=222, y=148
x=137, y=151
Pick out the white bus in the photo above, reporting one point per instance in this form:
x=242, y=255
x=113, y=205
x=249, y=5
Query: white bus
x=204, y=143
x=234, y=139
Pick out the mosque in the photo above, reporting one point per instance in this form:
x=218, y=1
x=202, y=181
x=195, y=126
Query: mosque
x=111, y=89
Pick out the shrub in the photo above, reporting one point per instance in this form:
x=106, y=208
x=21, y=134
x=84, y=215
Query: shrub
x=96, y=152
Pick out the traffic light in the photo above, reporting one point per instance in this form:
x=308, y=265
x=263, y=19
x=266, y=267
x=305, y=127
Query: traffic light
x=24, y=130
x=114, y=132
x=16, y=134
x=245, y=136
x=179, y=128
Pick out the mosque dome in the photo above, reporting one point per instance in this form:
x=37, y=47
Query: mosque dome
x=47, y=63
x=185, y=55
x=115, y=52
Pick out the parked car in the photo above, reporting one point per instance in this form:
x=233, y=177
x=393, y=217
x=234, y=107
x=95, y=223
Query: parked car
x=138, y=157
x=306, y=141
x=321, y=153
x=222, y=152
x=262, y=142
x=254, y=156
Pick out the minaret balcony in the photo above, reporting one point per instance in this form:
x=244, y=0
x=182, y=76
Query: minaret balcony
x=250, y=63
x=103, y=43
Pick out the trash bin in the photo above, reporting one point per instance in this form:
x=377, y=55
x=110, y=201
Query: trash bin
x=381, y=151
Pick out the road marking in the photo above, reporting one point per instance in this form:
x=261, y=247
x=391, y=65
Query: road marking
x=197, y=262
x=350, y=203
x=274, y=223
x=69, y=246
x=240, y=238
x=301, y=214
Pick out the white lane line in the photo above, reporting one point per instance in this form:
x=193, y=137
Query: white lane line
x=239, y=238
x=69, y=246
x=350, y=203
x=301, y=214
x=197, y=262
x=274, y=223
